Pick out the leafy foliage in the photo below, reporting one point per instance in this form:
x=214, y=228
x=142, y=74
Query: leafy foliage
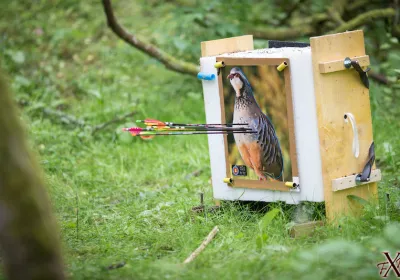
x=262, y=224
x=118, y=198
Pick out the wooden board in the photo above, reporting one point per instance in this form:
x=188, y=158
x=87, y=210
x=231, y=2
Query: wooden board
x=264, y=185
x=244, y=183
x=305, y=229
x=234, y=44
x=350, y=181
x=338, y=93
x=228, y=45
x=338, y=65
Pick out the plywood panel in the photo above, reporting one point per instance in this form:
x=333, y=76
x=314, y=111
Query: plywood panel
x=338, y=93
x=228, y=45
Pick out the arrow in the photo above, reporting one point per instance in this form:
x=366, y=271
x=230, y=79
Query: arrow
x=146, y=133
x=152, y=122
x=156, y=127
x=180, y=128
x=153, y=133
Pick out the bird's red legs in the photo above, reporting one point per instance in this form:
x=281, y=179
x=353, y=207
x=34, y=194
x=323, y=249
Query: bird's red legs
x=261, y=176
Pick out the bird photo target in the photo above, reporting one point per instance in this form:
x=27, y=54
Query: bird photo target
x=256, y=97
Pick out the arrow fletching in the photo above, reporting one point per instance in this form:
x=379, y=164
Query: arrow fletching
x=156, y=127
x=152, y=122
x=133, y=130
x=147, y=137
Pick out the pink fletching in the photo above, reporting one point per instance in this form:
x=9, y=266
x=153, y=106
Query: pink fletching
x=133, y=130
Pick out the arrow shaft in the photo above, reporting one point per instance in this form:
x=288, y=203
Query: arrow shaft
x=203, y=124
x=197, y=129
x=189, y=133
x=160, y=123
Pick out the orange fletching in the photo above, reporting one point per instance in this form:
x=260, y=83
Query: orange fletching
x=147, y=137
x=151, y=122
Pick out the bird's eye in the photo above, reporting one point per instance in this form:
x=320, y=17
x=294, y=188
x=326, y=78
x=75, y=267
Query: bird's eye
x=237, y=75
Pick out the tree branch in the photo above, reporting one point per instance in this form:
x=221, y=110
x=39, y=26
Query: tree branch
x=364, y=18
x=309, y=26
x=396, y=25
x=355, y=5
x=380, y=78
x=303, y=28
x=291, y=10
x=169, y=61
x=282, y=33
x=335, y=16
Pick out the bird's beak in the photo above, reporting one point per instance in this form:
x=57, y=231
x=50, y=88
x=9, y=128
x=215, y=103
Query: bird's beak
x=230, y=76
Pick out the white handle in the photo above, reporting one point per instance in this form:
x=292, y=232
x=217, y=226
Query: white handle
x=356, y=144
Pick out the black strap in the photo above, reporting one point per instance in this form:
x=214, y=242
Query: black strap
x=366, y=173
x=363, y=74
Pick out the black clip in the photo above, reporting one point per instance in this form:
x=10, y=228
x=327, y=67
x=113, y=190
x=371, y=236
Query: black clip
x=363, y=74
x=364, y=176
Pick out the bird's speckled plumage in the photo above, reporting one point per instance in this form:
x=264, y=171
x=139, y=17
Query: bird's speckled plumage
x=260, y=151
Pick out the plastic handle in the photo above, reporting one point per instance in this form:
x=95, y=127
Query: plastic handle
x=205, y=76
x=356, y=144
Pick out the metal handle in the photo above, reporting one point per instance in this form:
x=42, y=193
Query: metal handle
x=348, y=63
x=365, y=175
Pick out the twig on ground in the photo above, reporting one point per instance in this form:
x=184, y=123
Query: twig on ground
x=64, y=118
x=69, y=119
x=77, y=216
x=116, y=120
x=203, y=245
x=114, y=266
x=195, y=173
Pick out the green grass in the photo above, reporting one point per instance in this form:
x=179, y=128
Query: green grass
x=121, y=199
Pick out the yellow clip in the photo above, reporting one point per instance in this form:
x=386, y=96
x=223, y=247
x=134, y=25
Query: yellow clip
x=290, y=184
x=228, y=180
x=219, y=64
x=282, y=66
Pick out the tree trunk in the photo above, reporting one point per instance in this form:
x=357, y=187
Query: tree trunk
x=28, y=232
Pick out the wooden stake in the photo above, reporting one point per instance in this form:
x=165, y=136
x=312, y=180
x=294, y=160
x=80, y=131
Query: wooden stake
x=203, y=245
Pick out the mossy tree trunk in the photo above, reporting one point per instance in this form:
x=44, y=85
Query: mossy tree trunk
x=28, y=232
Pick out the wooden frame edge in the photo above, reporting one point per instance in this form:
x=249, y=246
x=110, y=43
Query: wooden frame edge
x=252, y=184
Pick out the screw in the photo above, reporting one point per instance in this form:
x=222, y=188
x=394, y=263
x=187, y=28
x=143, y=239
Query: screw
x=347, y=62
